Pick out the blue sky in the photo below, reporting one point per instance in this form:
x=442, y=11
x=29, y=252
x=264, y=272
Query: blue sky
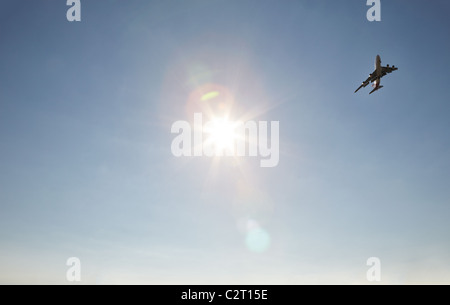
x=86, y=169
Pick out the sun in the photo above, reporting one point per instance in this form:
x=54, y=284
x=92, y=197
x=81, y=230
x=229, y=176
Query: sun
x=221, y=136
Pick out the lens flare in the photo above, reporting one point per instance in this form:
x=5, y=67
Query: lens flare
x=209, y=96
x=257, y=240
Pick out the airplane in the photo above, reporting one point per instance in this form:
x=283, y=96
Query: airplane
x=375, y=76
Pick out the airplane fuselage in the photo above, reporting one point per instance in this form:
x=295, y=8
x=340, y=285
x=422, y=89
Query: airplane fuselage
x=378, y=71
x=378, y=65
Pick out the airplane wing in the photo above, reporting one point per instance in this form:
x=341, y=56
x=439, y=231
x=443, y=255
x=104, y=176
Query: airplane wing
x=370, y=79
x=386, y=70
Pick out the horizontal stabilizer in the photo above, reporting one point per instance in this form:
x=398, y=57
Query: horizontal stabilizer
x=377, y=88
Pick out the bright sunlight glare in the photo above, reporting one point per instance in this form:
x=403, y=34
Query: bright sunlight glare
x=221, y=135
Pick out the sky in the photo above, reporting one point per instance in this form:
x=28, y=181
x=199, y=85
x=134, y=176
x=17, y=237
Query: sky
x=87, y=170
